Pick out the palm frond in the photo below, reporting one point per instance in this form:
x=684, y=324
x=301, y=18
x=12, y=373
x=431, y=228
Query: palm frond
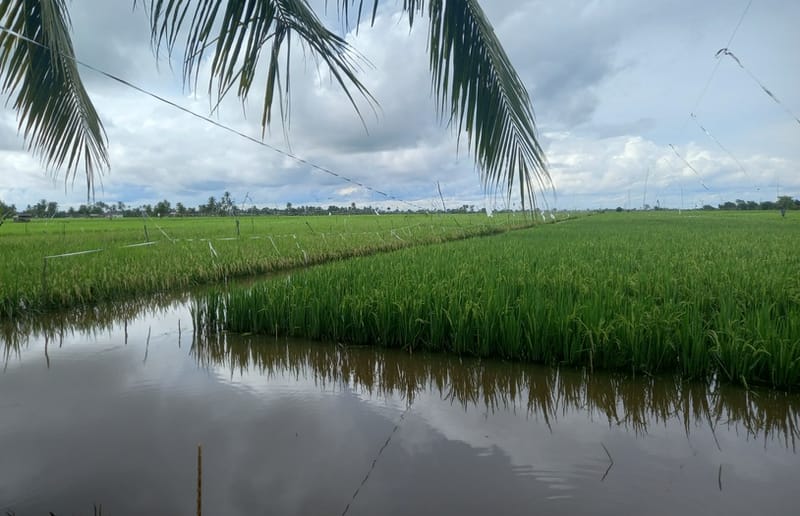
x=37, y=70
x=477, y=88
x=238, y=31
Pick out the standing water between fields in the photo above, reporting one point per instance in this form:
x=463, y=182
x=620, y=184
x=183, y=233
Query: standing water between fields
x=107, y=407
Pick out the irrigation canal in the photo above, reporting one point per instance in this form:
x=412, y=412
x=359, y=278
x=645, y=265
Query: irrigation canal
x=108, y=406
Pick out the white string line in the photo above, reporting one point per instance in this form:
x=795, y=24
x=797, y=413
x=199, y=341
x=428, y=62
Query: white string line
x=716, y=64
x=729, y=153
x=73, y=254
x=689, y=165
x=726, y=52
x=391, y=232
x=705, y=90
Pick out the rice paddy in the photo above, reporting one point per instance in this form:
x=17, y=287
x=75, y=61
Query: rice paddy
x=60, y=263
x=703, y=295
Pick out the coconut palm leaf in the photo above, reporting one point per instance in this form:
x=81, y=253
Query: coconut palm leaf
x=475, y=83
x=477, y=88
x=238, y=31
x=40, y=77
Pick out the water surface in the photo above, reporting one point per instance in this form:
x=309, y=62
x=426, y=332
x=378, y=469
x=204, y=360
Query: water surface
x=107, y=406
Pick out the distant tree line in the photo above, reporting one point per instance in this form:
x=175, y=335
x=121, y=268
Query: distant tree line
x=225, y=206
x=784, y=201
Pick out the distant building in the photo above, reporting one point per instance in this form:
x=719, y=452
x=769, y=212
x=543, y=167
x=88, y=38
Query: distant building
x=22, y=217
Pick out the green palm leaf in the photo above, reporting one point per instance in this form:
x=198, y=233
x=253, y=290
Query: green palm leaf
x=239, y=31
x=478, y=88
x=56, y=116
x=475, y=83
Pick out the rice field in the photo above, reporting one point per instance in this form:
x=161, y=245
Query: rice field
x=703, y=295
x=60, y=263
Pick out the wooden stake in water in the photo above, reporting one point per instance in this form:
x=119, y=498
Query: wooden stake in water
x=199, y=480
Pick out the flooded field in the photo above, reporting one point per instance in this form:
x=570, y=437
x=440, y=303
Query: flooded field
x=109, y=406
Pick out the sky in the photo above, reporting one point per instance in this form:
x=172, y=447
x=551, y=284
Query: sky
x=613, y=84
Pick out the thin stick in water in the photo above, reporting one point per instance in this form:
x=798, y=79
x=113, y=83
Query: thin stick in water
x=611, y=464
x=147, y=346
x=199, y=480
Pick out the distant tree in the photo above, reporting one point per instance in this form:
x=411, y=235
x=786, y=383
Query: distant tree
x=180, y=209
x=7, y=210
x=226, y=203
x=162, y=208
x=786, y=202
x=211, y=206
x=85, y=210
x=39, y=209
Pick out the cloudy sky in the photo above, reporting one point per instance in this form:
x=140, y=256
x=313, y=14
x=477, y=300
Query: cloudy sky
x=613, y=84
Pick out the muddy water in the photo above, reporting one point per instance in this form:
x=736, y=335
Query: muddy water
x=108, y=407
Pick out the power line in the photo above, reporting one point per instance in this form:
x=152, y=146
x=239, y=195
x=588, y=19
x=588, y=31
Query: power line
x=211, y=121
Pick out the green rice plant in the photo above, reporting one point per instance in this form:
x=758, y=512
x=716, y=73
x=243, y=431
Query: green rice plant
x=703, y=296
x=39, y=272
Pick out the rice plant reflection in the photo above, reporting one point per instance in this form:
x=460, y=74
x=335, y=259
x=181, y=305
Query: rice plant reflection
x=634, y=404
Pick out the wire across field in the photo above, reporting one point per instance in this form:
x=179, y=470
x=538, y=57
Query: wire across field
x=702, y=295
